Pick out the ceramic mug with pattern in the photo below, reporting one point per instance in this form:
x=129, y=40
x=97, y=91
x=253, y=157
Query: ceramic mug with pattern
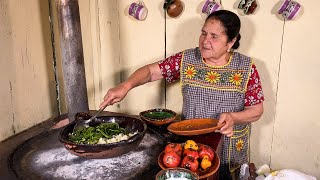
x=248, y=6
x=138, y=11
x=210, y=7
x=289, y=9
x=283, y=6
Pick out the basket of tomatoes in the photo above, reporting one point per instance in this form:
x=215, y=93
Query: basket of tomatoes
x=199, y=158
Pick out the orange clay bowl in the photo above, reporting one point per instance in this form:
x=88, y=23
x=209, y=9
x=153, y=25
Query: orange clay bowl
x=158, y=117
x=194, y=126
x=201, y=173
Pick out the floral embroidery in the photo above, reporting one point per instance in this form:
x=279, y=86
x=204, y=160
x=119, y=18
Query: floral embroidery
x=170, y=69
x=190, y=72
x=239, y=145
x=212, y=77
x=236, y=79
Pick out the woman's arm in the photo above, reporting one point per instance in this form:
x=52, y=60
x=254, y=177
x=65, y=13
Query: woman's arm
x=141, y=76
x=249, y=114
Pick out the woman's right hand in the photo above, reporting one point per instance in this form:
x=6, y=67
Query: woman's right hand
x=115, y=95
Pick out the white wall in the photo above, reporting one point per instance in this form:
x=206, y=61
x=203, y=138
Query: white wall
x=266, y=38
x=115, y=45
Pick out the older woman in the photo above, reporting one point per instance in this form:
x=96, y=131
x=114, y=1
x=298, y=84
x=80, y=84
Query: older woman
x=216, y=83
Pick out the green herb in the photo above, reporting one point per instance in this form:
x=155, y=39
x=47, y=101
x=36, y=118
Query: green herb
x=158, y=115
x=91, y=135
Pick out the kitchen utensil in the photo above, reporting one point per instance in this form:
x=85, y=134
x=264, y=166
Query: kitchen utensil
x=82, y=123
x=194, y=126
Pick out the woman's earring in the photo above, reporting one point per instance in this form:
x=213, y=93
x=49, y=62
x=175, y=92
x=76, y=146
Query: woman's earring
x=228, y=50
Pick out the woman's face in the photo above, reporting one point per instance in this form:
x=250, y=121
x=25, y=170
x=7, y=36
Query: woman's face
x=213, y=41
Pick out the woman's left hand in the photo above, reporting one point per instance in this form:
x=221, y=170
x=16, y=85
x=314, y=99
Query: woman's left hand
x=227, y=128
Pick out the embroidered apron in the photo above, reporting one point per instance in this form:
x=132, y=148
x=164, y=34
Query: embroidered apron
x=209, y=91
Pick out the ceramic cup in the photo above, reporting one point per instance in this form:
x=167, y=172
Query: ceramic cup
x=289, y=9
x=210, y=7
x=283, y=6
x=138, y=11
x=248, y=6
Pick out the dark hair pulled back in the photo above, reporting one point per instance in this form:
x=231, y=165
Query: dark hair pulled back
x=231, y=23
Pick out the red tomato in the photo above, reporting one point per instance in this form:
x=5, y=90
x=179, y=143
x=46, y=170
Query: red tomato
x=190, y=163
x=173, y=147
x=205, y=150
x=171, y=159
x=190, y=152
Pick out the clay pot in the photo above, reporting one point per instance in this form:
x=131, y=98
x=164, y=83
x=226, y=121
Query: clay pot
x=248, y=6
x=98, y=151
x=175, y=8
x=158, y=121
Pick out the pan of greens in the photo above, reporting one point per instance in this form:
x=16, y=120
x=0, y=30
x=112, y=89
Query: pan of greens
x=107, y=136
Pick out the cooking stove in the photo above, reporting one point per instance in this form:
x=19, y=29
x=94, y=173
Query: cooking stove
x=42, y=156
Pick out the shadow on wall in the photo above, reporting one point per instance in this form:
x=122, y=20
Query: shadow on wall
x=158, y=99
x=267, y=118
x=185, y=36
x=47, y=41
x=103, y=32
x=247, y=35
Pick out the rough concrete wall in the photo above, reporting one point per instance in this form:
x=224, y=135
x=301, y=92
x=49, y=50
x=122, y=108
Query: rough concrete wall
x=7, y=73
x=27, y=91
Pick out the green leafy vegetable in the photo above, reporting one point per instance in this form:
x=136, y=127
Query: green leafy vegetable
x=158, y=115
x=91, y=135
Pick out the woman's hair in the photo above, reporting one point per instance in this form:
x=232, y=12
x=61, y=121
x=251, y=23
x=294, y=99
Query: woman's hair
x=231, y=23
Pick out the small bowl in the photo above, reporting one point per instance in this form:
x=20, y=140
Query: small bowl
x=176, y=173
x=98, y=151
x=158, y=117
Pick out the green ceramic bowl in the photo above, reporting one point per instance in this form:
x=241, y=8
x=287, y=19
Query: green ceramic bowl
x=176, y=174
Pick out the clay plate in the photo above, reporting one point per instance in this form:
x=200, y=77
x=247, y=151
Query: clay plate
x=194, y=127
x=201, y=173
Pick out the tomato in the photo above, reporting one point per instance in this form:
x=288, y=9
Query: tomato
x=171, y=159
x=190, y=152
x=173, y=147
x=190, y=163
x=205, y=150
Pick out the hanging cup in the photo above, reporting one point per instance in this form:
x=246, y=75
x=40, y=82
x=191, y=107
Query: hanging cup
x=283, y=6
x=210, y=7
x=138, y=11
x=289, y=9
x=248, y=6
